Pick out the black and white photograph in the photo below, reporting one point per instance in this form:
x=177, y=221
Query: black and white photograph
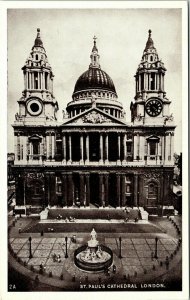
x=95, y=149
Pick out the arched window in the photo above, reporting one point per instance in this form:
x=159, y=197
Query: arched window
x=36, y=56
x=151, y=58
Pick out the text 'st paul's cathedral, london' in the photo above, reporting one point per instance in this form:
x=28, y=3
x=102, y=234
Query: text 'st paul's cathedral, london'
x=93, y=158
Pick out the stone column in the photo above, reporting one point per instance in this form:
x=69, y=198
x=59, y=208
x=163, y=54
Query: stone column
x=70, y=149
x=101, y=148
x=24, y=148
x=38, y=80
x=53, y=146
x=167, y=141
x=100, y=190
x=30, y=80
x=43, y=80
x=141, y=147
x=118, y=190
x=139, y=82
x=172, y=147
x=16, y=147
x=64, y=149
x=87, y=189
x=135, y=190
x=107, y=149
x=87, y=148
x=106, y=192
x=64, y=189
x=81, y=148
x=32, y=85
x=81, y=190
x=135, y=147
x=47, y=146
x=119, y=148
x=123, y=198
x=124, y=148
x=70, y=195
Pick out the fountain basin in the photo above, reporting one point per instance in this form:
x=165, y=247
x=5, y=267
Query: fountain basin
x=93, y=263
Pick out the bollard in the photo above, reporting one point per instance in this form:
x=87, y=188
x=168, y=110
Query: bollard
x=36, y=279
x=42, y=233
x=50, y=274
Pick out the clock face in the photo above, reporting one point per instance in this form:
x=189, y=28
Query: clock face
x=34, y=107
x=153, y=107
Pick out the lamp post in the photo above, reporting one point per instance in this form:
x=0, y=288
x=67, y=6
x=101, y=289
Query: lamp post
x=66, y=254
x=30, y=247
x=156, y=244
x=120, y=247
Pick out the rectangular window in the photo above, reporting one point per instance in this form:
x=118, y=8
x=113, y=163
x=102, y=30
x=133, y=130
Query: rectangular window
x=152, y=81
x=46, y=81
x=128, y=147
x=142, y=81
x=152, y=148
x=35, y=80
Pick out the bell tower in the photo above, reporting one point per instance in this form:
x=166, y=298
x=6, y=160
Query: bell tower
x=150, y=105
x=37, y=103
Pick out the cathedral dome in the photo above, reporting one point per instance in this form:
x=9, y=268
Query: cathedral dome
x=94, y=78
x=94, y=85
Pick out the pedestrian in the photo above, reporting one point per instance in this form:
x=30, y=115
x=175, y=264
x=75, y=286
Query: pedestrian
x=114, y=269
x=167, y=263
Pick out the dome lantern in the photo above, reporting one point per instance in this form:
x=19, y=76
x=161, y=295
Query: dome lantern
x=94, y=56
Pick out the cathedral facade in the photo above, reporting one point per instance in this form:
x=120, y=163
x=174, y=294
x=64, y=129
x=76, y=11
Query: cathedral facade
x=93, y=157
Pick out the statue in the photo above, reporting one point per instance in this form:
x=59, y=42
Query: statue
x=16, y=117
x=63, y=112
x=93, y=100
x=93, y=234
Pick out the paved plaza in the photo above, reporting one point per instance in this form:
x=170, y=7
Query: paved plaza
x=136, y=263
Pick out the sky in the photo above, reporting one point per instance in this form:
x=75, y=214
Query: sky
x=67, y=36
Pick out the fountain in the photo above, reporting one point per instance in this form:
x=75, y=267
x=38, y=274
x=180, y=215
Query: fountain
x=93, y=257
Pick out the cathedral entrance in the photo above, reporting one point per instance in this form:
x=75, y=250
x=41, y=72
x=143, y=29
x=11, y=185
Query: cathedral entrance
x=34, y=192
x=94, y=189
x=94, y=146
x=152, y=199
x=112, y=190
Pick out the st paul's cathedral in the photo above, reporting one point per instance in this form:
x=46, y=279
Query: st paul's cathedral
x=93, y=158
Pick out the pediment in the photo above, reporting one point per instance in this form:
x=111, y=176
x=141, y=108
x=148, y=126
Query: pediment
x=153, y=138
x=94, y=116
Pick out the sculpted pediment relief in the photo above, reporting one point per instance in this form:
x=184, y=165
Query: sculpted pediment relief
x=94, y=116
